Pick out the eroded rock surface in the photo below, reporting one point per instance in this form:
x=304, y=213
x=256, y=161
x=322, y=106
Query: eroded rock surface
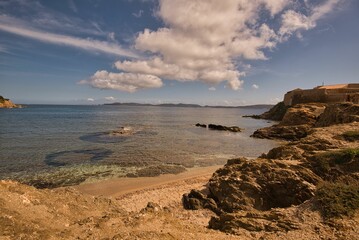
x=244, y=184
x=259, y=195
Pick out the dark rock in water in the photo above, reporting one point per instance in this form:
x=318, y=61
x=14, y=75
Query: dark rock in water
x=113, y=136
x=244, y=184
x=224, y=128
x=253, y=116
x=201, y=125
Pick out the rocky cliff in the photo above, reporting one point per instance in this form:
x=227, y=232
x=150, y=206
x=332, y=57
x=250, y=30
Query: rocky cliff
x=318, y=169
x=7, y=103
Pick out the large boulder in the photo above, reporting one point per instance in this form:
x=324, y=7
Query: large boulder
x=261, y=184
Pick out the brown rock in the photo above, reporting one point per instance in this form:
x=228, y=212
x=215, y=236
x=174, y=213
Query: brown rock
x=261, y=184
x=290, y=133
x=303, y=114
x=339, y=113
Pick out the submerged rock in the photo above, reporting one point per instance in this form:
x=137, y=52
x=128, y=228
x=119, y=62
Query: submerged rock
x=122, y=131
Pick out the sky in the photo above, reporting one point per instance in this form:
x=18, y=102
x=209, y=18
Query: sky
x=208, y=52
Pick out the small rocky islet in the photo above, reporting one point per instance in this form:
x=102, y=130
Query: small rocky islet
x=7, y=103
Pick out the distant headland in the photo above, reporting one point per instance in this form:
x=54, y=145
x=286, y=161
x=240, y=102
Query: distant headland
x=7, y=103
x=259, y=106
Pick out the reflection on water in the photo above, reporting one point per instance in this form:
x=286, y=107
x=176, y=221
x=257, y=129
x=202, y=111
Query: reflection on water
x=39, y=140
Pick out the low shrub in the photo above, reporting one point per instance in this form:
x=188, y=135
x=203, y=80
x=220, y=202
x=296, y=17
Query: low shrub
x=330, y=165
x=338, y=199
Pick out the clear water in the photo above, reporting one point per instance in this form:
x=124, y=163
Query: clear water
x=48, y=141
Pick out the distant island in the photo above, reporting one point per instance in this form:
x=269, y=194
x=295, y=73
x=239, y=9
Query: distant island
x=7, y=103
x=258, y=106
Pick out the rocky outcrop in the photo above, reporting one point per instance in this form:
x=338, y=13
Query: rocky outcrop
x=257, y=194
x=339, y=113
x=244, y=184
x=289, y=133
x=299, y=120
x=276, y=113
x=7, y=103
x=301, y=114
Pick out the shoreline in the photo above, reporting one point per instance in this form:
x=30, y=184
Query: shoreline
x=117, y=187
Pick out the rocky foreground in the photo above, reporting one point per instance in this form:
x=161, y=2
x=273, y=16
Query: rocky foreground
x=311, y=183
x=305, y=189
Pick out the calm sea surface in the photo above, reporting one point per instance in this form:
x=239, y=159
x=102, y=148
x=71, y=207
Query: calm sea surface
x=54, y=142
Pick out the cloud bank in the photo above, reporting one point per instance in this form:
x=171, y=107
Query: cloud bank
x=203, y=40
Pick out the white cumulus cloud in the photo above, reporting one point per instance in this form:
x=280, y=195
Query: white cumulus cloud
x=206, y=40
x=129, y=82
x=110, y=98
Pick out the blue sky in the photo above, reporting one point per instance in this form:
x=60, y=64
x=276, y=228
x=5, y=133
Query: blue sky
x=192, y=51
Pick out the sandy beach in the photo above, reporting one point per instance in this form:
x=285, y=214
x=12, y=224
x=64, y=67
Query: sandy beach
x=165, y=190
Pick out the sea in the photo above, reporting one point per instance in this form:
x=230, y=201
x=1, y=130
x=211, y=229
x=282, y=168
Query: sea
x=56, y=145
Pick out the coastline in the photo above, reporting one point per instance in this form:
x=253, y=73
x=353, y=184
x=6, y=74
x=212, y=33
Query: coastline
x=135, y=193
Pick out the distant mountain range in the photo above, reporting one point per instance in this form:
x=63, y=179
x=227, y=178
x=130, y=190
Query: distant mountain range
x=259, y=106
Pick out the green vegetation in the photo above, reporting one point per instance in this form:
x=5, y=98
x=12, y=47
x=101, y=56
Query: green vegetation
x=2, y=99
x=338, y=199
x=330, y=164
x=351, y=136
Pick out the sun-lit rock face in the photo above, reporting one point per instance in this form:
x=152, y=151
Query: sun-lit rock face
x=6, y=103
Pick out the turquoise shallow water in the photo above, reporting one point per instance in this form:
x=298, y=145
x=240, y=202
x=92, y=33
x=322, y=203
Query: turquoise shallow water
x=44, y=139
